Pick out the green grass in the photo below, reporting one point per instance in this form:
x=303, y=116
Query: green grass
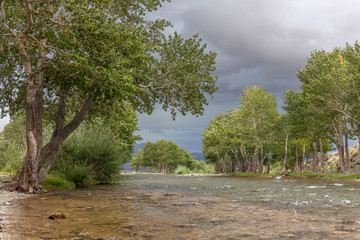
x=54, y=182
x=355, y=176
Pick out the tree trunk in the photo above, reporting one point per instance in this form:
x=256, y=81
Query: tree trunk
x=347, y=155
x=285, y=172
x=322, y=163
x=261, y=163
x=219, y=164
x=268, y=163
x=27, y=181
x=358, y=135
x=297, y=164
x=50, y=150
x=340, y=146
x=238, y=161
x=302, y=164
x=315, y=158
x=37, y=162
x=256, y=161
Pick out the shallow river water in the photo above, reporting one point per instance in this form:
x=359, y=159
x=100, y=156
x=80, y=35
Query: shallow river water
x=155, y=206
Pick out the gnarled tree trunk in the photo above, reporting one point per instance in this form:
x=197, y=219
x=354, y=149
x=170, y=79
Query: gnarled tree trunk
x=38, y=160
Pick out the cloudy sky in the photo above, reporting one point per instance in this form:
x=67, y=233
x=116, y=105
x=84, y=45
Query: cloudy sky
x=259, y=42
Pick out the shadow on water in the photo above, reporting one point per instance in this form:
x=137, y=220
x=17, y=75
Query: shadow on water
x=193, y=207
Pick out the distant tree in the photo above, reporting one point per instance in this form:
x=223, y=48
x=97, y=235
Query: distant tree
x=165, y=156
x=137, y=160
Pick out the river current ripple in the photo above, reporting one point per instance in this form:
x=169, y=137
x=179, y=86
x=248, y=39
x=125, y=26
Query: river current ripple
x=153, y=206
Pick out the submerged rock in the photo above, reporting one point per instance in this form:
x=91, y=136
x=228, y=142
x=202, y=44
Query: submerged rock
x=127, y=198
x=57, y=215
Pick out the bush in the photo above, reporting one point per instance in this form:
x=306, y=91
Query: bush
x=202, y=167
x=90, y=155
x=182, y=170
x=13, y=144
x=11, y=157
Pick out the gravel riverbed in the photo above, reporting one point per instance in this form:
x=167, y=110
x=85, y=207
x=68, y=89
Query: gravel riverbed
x=7, y=197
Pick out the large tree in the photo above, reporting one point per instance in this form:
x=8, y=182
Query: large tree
x=67, y=58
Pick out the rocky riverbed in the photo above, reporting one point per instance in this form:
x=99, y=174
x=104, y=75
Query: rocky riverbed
x=7, y=197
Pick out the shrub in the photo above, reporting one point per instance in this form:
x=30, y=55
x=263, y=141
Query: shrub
x=182, y=170
x=11, y=157
x=90, y=155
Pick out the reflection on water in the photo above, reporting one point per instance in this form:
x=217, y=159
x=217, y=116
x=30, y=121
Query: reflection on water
x=182, y=207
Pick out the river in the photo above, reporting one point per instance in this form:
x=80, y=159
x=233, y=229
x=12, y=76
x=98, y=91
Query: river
x=152, y=206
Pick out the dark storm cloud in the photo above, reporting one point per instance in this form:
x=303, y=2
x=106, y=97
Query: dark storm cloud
x=259, y=42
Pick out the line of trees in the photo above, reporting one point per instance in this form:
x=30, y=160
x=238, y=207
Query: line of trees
x=325, y=113
x=165, y=156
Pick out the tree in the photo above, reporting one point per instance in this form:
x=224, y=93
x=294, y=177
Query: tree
x=330, y=80
x=164, y=156
x=137, y=160
x=259, y=109
x=243, y=132
x=79, y=56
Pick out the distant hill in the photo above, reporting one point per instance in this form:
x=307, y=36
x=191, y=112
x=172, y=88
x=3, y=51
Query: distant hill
x=198, y=156
x=138, y=146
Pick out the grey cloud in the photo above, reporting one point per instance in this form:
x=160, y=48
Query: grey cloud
x=259, y=42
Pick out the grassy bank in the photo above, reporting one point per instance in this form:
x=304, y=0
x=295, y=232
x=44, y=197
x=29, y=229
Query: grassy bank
x=54, y=182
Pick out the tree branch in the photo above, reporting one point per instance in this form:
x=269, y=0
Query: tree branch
x=3, y=20
x=61, y=135
x=29, y=17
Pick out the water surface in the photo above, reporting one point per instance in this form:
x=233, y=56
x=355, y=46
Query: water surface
x=191, y=207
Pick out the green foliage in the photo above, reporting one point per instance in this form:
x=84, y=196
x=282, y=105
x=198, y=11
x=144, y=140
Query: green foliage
x=182, y=170
x=202, y=167
x=54, y=182
x=11, y=157
x=91, y=154
x=165, y=156
x=137, y=160
x=13, y=144
x=107, y=50
x=233, y=138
